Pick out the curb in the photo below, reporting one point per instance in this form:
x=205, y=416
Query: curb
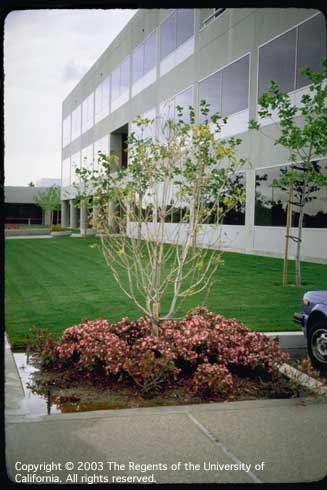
x=288, y=340
x=303, y=379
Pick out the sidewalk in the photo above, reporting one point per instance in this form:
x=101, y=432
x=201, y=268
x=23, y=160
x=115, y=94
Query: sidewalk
x=287, y=438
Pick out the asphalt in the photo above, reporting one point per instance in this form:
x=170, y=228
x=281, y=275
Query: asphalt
x=275, y=441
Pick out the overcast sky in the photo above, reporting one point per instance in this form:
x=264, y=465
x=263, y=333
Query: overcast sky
x=46, y=52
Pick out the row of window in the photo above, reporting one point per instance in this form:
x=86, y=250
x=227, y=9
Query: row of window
x=270, y=199
x=226, y=90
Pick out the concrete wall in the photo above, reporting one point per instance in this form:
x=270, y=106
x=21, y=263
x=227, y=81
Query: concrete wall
x=235, y=33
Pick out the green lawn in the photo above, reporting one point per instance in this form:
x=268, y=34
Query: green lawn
x=56, y=283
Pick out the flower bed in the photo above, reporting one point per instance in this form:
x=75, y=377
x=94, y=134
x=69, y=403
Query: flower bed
x=204, y=355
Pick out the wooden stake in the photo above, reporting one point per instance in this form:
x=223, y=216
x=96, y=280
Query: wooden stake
x=288, y=224
x=155, y=314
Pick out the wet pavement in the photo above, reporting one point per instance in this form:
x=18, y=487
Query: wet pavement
x=248, y=441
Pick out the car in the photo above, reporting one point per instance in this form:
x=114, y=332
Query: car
x=313, y=320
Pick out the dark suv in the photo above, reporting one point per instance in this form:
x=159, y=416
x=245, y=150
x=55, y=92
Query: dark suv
x=313, y=320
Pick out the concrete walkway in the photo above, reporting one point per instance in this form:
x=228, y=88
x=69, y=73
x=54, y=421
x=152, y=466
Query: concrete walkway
x=249, y=442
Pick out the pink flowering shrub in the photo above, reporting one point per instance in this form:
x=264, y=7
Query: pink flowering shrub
x=201, y=351
x=212, y=381
x=151, y=364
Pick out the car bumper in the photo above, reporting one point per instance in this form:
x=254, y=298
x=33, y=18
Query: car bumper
x=301, y=319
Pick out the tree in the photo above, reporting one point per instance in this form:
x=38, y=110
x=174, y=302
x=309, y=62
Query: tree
x=49, y=201
x=174, y=176
x=303, y=131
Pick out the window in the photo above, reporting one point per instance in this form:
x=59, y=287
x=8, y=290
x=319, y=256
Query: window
x=65, y=176
x=208, y=15
x=271, y=200
x=75, y=163
x=210, y=91
x=235, y=216
x=227, y=90
x=87, y=113
x=315, y=207
x=184, y=99
x=144, y=57
x=66, y=128
x=101, y=145
x=311, y=46
x=168, y=109
x=120, y=83
x=76, y=123
x=277, y=62
x=281, y=58
x=102, y=100
x=87, y=157
x=235, y=87
x=175, y=30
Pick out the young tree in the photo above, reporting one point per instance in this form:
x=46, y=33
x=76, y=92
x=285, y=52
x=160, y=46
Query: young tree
x=303, y=131
x=49, y=201
x=173, y=176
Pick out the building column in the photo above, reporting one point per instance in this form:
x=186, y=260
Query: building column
x=64, y=214
x=83, y=219
x=72, y=215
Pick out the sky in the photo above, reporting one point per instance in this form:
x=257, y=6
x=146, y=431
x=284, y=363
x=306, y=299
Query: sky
x=46, y=52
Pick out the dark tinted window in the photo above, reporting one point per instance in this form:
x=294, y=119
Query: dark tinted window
x=235, y=87
x=168, y=35
x=185, y=99
x=185, y=25
x=311, y=47
x=210, y=91
x=315, y=202
x=277, y=62
x=270, y=201
x=137, y=62
x=149, y=53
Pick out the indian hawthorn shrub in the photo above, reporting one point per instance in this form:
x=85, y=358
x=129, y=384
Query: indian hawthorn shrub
x=200, y=352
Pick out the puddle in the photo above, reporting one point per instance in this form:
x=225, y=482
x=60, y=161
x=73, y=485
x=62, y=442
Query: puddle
x=48, y=403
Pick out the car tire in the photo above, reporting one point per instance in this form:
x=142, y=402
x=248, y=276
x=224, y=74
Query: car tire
x=317, y=345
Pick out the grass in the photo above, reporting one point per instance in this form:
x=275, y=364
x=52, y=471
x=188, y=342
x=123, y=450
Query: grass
x=56, y=283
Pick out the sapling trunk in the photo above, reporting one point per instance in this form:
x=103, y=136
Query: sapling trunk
x=155, y=319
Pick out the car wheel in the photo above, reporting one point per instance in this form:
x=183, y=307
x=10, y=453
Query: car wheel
x=317, y=345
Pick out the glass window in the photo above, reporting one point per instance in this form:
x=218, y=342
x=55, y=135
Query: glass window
x=315, y=202
x=87, y=157
x=87, y=113
x=277, y=62
x=184, y=99
x=115, y=83
x=65, y=177
x=210, y=91
x=168, y=35
x=76, y=123
x=150, y=49
x=124, y=78
x=102, y=146
x=270, y=200
x=102, y=100
x=235, y=87
x=311, y=47
x=137, y=62
x=184, y=25
x=208, y=15
x=75, y=163
x=66, y=131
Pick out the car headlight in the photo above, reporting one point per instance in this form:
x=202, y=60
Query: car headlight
x=305, y=302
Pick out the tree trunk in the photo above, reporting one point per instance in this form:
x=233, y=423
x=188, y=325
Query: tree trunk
x=287, y=234
x=298, y=247
x=155, y=322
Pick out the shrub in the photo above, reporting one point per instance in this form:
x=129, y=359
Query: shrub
x=212, y=381
x=201, y=352
x=56, y=228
